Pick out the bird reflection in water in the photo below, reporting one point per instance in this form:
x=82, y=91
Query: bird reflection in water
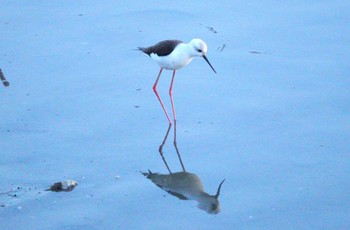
x=184, y=185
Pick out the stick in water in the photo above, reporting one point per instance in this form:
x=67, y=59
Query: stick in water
x=3, y=79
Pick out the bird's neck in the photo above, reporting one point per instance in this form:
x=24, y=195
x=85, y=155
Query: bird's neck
x=189, y=49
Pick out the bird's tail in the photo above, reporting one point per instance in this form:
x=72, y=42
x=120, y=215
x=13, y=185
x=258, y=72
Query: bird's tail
x=141, y=49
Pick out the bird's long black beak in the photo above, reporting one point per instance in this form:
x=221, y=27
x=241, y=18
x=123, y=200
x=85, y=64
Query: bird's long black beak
x=206, y=59
x=218, y=192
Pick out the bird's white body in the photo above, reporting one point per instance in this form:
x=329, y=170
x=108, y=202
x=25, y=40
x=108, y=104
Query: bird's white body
x=180, y=57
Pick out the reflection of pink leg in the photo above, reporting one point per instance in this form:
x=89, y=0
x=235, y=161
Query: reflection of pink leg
x=172, y=106
x=161, y=148
x=160, y=100
x=177, y=149
x=171, y=95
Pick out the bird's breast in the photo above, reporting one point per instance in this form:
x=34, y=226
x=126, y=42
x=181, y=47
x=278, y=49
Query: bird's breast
x=175, y=60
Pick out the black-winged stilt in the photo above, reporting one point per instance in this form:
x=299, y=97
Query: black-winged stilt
x=173, y=55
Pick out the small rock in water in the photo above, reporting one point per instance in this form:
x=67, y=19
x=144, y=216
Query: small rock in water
x=63, y=186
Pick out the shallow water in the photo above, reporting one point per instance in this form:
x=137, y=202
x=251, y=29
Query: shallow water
x=273, y=122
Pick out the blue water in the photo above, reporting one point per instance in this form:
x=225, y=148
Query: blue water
x=274, y=121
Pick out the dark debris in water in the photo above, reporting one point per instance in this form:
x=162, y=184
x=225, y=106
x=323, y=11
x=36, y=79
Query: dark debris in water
x=3, y=79
x=63, y=186
x=255, y=52
x=210, y=28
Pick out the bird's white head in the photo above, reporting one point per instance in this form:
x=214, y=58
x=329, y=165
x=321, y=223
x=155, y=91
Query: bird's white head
x=198, y=46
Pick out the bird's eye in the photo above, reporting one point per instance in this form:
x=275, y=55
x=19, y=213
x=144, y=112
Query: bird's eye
x=199, y=50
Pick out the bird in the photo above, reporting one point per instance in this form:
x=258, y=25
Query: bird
x=173, y=55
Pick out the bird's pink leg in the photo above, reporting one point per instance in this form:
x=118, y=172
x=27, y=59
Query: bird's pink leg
x=171, y=95
x=160, y=100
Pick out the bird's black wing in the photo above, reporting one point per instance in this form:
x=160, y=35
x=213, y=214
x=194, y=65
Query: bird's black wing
x=162, y=48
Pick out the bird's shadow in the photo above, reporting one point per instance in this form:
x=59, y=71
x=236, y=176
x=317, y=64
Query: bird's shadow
x=183, y=184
